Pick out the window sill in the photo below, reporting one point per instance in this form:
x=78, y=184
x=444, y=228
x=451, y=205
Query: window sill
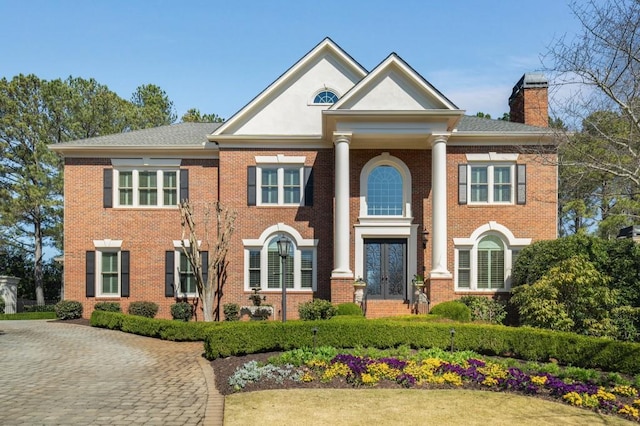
x=143, y=207
x=279, y=291
x=481, y=291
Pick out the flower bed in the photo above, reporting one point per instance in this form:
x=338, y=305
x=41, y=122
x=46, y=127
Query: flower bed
x=428, y=372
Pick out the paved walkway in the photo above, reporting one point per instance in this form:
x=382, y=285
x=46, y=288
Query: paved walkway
x=53, y=373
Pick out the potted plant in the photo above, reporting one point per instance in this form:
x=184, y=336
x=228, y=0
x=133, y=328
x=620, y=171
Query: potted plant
x=359, y=283
x=256, y=298
x=418, y=280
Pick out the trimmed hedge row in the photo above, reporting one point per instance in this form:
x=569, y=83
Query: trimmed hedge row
x=179, y=331
x=28, y=316
x=527, y=343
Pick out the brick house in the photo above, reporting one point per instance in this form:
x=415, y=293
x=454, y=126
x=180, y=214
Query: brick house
x=372, y=174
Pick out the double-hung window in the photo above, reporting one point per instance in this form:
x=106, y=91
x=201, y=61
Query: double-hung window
x=281, y=185
x=186, y=277
x=146, y=188
x=107, y=270
x=491, y=184
x=109, y=279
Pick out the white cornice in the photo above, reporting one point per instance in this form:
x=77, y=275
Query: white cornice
x=210, y=151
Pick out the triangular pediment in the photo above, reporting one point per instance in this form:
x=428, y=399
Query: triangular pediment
x=286, y=107
x=393, y=86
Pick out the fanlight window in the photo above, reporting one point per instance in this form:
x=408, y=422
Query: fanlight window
x=325, y=97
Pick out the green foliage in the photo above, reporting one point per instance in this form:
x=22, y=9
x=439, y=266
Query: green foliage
x=231, y=311
x=316, y=309
x=2, y=305
x=37, y=308
x=237, y=338
x=143, y=309
x=29, y=316
x=453, y=310
x=348, y=309
x=572, y=296
x=485, y=309
x=179, y=331
x=182, y=311
x=68, y=309
x=107, y=306
x=193, y=115
x=18, y=263
x=152, y=107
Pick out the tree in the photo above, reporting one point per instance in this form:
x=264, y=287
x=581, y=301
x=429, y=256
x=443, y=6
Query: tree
x=600, y=69
x=193, y=115
x=30, y=177
x=209, y=290
x=152, y=107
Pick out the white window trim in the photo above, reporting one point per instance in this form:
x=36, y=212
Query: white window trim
x=136, y=186
x=491, y=183
x=261, y=244
x=312, y=98
x=385, y=159
x=510, y=243
x=178, y=245
x=98, y=271
x=279, y=162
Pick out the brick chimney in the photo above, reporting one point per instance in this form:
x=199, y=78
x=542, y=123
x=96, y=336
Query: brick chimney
x=529, y=100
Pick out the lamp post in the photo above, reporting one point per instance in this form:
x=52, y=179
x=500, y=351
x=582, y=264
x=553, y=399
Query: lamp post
x=284, y=246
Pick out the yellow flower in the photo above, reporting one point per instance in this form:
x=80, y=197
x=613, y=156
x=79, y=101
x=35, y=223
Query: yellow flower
x=307, y=377
x=573, y=398
x=539, y=380
x=625, y=390
x=604, y=395
x=382, y=370
x=629, y=410
x=368, y=379
x=336, y=369
x=452, y=378
x=493, y=370
x=636, y=402
x=489, y=381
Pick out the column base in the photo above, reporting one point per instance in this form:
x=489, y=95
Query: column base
x=341, y=289
x=440, y=290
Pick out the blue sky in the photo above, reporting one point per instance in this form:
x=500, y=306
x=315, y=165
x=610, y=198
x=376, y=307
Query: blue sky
x=217, y=55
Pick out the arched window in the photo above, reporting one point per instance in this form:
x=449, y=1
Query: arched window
x=490, y=263
x=384, y=192
x=325, y=97
x=263, y=264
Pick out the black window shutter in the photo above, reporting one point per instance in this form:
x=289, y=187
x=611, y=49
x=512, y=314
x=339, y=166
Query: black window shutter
x=184, y=184
x=107, y=191
x=91, y=274
x=169, y=271
x=124, y=274
x=251, y=186
x=204, y=260
x=462, y=184
x=308, y=186
x=521, y=197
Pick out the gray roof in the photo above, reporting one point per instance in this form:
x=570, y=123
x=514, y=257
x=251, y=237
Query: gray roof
x=476, y=124
x=181, y=134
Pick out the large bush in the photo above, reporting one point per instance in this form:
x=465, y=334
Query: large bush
x=485, y=309
x=316, y=309
x=231, y=311
x=572, y=296
x=107, y=306
x=143, y=309
x=1, y=305
x=349, y=308
x=454, y=310
x=618, y=259
x=68, y=309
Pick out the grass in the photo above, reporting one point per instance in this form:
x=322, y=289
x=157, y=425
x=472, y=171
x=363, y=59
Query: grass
x=402, y=406
x=28, y=316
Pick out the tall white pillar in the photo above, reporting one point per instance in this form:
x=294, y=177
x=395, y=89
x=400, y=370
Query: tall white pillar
x=341, y=220
x=439, y=207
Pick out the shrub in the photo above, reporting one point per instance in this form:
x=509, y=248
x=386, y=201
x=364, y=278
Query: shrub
x=182, y=311
x=231, y=311
x=316, y=309
x=40, y=308
x=348, y=309
x=454, y=310
x=143, y=309
x=107, y=306
x=485, y=309
x=68, y=309
x=1, y=305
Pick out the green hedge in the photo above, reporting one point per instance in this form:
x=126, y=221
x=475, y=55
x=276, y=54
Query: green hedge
x=178, y=331
x=40, y=308
x=526, y=343
x=28, y=316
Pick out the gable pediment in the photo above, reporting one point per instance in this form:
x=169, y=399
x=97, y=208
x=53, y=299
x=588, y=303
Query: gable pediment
x=393, y=86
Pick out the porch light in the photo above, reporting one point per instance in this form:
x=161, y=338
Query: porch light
x=284, y=246
x=425, y=238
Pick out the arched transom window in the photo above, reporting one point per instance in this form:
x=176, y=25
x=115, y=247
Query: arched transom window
x=384, y=192
x=325, y=97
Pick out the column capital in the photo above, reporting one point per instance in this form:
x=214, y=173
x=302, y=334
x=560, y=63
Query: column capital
x=342, y=137
x=439, y=137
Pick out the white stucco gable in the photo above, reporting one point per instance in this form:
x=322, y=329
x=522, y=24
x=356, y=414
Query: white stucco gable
x=286, y=108
x=393, y=86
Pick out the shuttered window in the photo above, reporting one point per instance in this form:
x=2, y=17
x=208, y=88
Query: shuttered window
x=149, y=187
x=254, y=269
x=490, y=270
x=306, y=268
x=464, y=269
x=109, y=274
x=187, y=276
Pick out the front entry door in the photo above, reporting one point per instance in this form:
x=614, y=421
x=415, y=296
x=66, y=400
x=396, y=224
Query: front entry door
x=385, y=268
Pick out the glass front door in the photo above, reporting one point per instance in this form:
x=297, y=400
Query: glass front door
x=385, y=268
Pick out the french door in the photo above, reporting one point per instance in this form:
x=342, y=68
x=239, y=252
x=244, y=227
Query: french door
x=385, y=268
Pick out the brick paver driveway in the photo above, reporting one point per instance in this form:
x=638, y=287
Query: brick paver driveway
x=57, y=373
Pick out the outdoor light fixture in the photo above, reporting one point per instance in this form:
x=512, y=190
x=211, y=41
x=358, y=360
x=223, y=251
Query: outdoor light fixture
x=453, y=333
x=315, y=334
x=284, y=246
x=425, y=238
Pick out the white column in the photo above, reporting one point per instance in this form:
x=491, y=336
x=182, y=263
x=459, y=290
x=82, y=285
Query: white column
x=341, y=220
x=439, y=208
